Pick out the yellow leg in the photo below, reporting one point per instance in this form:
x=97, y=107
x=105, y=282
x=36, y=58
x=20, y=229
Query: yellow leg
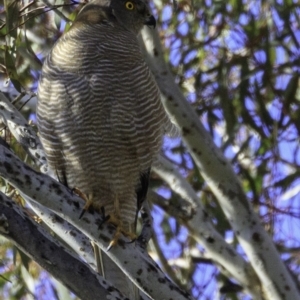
x=116, y=221
x=113, y=218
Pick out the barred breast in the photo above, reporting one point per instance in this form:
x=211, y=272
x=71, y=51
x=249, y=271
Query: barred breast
x=99, y=115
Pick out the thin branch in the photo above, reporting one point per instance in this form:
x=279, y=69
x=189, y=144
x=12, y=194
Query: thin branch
x=166, y=170
x=27, y=5
x=45, y=10
x=222, y=254
x=59, y=13
x=23, y=132
x=164, y=262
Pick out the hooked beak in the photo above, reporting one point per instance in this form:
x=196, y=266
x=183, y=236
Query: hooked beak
x=150, y=21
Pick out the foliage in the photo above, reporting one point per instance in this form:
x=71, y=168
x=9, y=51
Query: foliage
x=238, y=64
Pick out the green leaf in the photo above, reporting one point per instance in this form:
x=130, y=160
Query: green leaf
x=225, y=98
x=237, y=6
x=11, y=69
x=31, y=52
x=25, y=259
x=12, y=16
x=72, y=17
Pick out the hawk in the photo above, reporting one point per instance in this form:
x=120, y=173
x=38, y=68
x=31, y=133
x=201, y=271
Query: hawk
x=99, y=112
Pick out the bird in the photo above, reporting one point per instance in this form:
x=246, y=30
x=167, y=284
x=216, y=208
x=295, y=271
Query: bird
x=99, y=113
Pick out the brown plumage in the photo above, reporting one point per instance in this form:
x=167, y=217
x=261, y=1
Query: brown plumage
x=99, y=112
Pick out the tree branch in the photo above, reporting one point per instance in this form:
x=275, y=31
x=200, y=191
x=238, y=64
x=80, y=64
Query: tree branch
x=218, y=173
x=53, y=257
x=68, y=234
x=203, y=231
x=133, y=260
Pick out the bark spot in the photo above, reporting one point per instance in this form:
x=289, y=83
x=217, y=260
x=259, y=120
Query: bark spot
x=8, y=155
x=56, y=188
x=7, y=167
x=57, y=219
x=210, y=240
x=138, y=280
x=72, y=233
x=140, y=271
x=162, y=280
x=185, y=131
x=19, y=182
x=111, y=289
x=256, y=237
x=28, y=179
x=76, y=204
x=104, y=238
x=86, y=220
x=151, y=268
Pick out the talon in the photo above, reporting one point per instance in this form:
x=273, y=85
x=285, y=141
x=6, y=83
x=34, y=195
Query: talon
x=82, y=213
x=132, y=241
x=88, y=202
x=86, y=207
x=114, y=220
x=114, y=241
x=79, y=193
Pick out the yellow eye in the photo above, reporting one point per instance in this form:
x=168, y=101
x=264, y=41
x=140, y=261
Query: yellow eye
x=129, y=5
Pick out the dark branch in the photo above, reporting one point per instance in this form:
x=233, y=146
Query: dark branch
x=25, y=234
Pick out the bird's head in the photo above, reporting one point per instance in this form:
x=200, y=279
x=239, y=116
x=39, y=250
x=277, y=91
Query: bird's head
x=130, y=14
